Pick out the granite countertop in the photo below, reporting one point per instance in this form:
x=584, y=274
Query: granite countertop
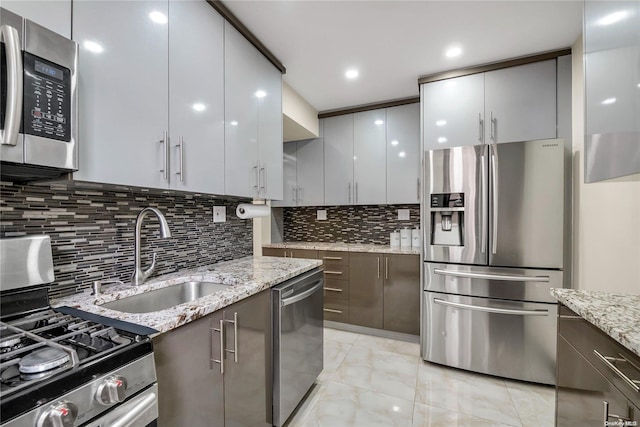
x=343, y=247
x=617, y=315
x=245, y=277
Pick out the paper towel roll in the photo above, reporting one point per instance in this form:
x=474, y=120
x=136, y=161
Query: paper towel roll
x=248, y=211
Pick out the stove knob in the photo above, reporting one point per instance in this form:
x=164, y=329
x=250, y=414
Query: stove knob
x=112, y=390
x=63, y=414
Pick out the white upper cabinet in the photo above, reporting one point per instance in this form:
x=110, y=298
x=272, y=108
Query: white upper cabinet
x=403, y=154
x=269, y=97
x=310, y=172
x=453, y=112
x=506, y=105
x=289, y=176
x=338, y=160
x=369, y=157
x=241, y=115
x=520, y=103
x=52, y=14
x=253, y=121
x=196, y=97
x=123, y=91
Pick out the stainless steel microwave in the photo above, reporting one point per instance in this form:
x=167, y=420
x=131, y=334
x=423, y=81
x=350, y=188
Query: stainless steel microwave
x=39, y=101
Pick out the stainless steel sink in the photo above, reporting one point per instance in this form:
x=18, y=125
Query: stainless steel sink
x=160, y=299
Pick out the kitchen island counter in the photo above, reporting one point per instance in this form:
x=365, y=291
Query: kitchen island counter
x=617, y=315
x=343, y=247
x=245, y=277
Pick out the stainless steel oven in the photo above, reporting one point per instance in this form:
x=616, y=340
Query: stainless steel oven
x=297, y=341
x=39, y=99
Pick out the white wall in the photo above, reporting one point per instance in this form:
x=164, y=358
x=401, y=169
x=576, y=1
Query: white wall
x=606, y=226
x=300, y=119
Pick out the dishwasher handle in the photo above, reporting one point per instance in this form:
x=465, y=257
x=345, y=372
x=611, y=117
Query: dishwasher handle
x=302, y=295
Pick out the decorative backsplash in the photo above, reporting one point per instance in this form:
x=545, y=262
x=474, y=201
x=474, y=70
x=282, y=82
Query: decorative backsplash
x=93, y=231
x=347, y=224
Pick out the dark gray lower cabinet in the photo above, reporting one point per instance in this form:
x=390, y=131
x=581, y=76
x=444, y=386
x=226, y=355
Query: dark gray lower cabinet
x=589, y=391
x=402, y=293
x=366, y=289
x=194, y=390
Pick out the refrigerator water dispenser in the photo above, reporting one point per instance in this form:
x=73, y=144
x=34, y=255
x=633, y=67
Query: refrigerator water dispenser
x=447, y=219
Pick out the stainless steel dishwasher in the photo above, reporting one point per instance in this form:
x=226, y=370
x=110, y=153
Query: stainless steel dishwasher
x=297, y=341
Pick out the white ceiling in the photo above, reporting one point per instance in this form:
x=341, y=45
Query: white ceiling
x=392, y=43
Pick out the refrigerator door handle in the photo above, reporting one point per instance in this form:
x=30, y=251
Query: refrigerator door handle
x=494, y=184
x=492, y=309
x=485, y=225
x=489, y=276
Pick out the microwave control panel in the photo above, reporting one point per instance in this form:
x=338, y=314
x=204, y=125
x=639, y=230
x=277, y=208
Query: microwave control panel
x=47, y=99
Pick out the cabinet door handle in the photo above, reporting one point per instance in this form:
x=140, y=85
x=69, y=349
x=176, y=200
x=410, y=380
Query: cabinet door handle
x=255, y=175
x=165, y=159
x=180, y=147
x=262, y=178
x=480, y=127
x=386, y=267
x=349, y=192
x=334, y=272
x=300, y=194
x=221, y=332
x=418, y=186
x=294, y=196
x=356, y=192
x=608, y=361
x=336, y=258
x=235, y=337
x=494, y=128
x=330, y=310
x=378, y=258
x=13, y=106
x=332, y=289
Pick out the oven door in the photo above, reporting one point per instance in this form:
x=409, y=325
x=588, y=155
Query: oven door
x=139, y=411
x=511, y=339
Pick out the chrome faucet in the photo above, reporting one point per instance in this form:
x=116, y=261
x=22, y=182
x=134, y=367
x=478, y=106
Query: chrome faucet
x=139, y=277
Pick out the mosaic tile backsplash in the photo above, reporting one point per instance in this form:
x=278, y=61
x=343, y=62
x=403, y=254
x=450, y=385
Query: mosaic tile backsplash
x=93, y=231
x=347, y=224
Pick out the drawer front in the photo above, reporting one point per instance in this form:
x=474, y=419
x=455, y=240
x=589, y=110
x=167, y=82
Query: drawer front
x=302, y=253
x=336, y=271
x=336, y=288
x=333, y=258
x=616, y=363
x=273, y=252
x=336, y=310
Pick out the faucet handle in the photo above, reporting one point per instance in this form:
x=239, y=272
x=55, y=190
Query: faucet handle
x=149, y=270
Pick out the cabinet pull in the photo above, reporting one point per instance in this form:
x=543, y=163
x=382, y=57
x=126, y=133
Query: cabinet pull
x=356, y=198
x=609, y=362
x=221, y=332
x=235, y=337
x=494, y=128
x=570, y=317
x=180, y=147
x=330, y=310
x=349, y=192
x=332, y=289
x=294, y=196
x=386, y=267
x=300, y=194
x=480, y=127
x=334, y=272
x=165, y=160
x=606, y=415
x=262, y=178
x=378, y=258
x=418, y=186
x=256, y=185
x=335, y=258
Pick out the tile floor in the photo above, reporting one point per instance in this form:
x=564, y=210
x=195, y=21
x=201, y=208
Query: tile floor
x=372, y=381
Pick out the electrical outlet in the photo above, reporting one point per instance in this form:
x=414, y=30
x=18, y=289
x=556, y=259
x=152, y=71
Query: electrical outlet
x=322, y=215
x=219, y=214
x=404, y=215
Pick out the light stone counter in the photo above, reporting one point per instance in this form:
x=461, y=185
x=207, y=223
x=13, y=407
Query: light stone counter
x=617, y=315
x=245, y=277
x=342, y=247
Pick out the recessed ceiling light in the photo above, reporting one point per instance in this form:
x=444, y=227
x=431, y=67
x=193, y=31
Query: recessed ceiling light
x=199, y=106
x=396, y=408
x=394, y=142
x=158, y=17
x=441, y=122
x=92, y=46
x=233, y=123
x=442, y=140
x=608, y=101
x=261, y=94
x=352, y=73
x=378, y=122
x=638, y=84
x=453, y=52
x=402, y=154
x=612, y=18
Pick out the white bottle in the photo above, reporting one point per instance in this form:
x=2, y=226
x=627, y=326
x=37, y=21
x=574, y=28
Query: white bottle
x=405, y=238
x=415, y=238
x=394, y=238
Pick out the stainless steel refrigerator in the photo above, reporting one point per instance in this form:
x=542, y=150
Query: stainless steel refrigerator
x=496, y=222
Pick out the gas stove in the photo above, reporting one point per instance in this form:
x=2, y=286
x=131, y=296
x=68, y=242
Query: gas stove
x=64, y=367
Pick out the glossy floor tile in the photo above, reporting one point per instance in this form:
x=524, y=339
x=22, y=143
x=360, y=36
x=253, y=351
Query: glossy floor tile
x=373, y=381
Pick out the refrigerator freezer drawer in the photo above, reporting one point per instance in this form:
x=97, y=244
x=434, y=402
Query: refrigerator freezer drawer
x=504, y=338
x=517, y=284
